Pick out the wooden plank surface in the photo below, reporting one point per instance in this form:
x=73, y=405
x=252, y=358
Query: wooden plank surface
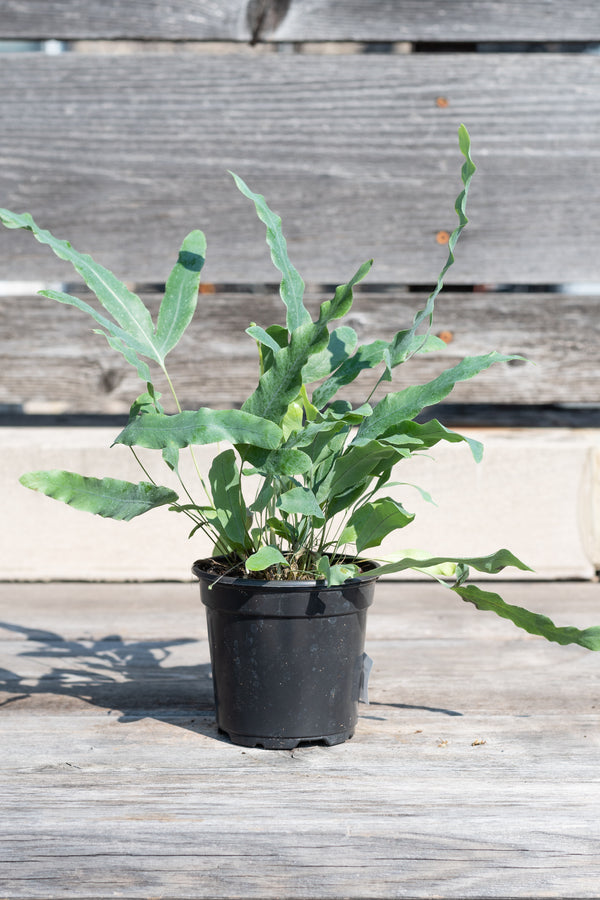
x=52, y=362
x=124, y=155
x=473, y=771
x=136, y=19
x=429, y=20
x=303, y=20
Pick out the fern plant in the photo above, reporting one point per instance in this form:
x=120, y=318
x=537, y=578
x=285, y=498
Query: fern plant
x=323, y=466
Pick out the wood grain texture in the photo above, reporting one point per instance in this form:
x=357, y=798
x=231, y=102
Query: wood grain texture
x=136, y=19
x=124, y=155
x=305, y=20
x=472, y=773
x=429, y=20
x=52, y=362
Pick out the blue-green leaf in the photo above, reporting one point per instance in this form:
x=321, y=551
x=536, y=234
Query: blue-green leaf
x=264, y=497
x=107, y=497
x=282, y=528
x=533, y=623
x=424, y=494
x=417, y=436
x=491, y=564
x=263, y=337
x=373, y=521
x=118, y=339
x=341, y=301
x=300, y=500
x=397, y=407
x=342, y=572
x=356, y=464
x=336, y=574
x=343, y=411
x=430, y=344
x=367, y=356
x=181, y=293
x=282, y=382
x=203, y=426
x=125, y=307
x=324, y=568
x=230, y=509
x=70, y=300
x=293, y=419
x=130, y=355
x=292, y=285
x=145, y=403
x=264, y=557
x=283, y=462
x=404, y=344
x=342, y=343
x=442, y=570
x=171, y=457
x=321, y=442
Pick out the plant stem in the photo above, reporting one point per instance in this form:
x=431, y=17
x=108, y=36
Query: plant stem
x=195, y=461
x=142, y=466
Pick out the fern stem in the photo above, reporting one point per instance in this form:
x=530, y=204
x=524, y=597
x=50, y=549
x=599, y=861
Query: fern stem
x=194, y=460
x=142, y=467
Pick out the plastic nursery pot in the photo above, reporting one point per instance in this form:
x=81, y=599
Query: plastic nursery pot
x=287, y=657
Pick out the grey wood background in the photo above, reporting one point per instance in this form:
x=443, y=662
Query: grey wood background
x=65, y=362
x=122, y=146
x=303, y=20
x=124, y=154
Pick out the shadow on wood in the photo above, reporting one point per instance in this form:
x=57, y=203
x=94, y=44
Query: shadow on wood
x=117, y=675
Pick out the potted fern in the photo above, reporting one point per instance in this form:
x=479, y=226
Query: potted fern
x=295, y=504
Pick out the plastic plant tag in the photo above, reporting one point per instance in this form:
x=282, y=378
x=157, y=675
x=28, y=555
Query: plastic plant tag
x=363, y=691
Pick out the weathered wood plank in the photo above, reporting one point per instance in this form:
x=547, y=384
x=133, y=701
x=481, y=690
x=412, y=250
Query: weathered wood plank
x=53, y=363
x=303, y=20
x=472, y=773
x=139, y=19
x=310, y=835
x=428, y=20
x=123, y=155
x=154, y=611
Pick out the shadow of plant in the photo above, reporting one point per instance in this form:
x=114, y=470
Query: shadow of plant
x=128, y=677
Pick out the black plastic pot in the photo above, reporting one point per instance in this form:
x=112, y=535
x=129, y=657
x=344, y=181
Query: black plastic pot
x=287, y=657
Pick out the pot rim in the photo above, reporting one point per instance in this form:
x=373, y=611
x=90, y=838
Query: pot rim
x=282, y=584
